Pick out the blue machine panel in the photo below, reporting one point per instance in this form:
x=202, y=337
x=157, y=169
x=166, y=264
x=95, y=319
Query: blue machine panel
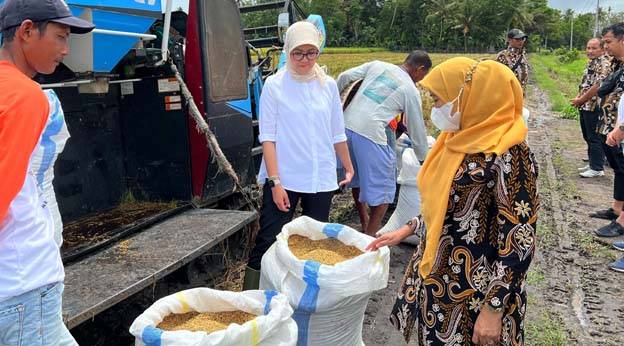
x=109, y=49
x=142, y=5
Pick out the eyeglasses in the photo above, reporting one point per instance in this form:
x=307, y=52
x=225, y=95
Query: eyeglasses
x=297, y=55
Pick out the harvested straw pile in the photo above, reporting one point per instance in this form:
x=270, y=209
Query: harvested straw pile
x=325, y=251
x=208, y=322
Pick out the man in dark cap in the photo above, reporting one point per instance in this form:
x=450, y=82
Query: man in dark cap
x=34, y=40
x=514, y=56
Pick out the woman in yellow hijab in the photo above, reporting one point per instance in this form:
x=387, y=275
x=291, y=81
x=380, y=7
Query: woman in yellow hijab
x=465, y=283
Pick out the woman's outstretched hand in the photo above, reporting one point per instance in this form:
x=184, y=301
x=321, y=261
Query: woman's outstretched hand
x=390, y=239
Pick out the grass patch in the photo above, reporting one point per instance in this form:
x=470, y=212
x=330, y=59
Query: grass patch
x=547, y=235
x=352, y=50
x=547, y=330
x=536, y=276
x=341, y=59
x=559, y=80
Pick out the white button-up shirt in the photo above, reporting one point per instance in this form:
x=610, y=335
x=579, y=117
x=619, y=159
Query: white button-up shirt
x=304, y=120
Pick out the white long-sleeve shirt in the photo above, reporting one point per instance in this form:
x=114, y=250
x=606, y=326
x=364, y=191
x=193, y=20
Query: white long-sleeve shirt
x=304, y=120
x=386, y=91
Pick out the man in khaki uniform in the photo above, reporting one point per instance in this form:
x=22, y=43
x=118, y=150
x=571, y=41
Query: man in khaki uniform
x=514, y=56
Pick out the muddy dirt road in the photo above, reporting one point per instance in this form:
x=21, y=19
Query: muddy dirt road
x=574, y=298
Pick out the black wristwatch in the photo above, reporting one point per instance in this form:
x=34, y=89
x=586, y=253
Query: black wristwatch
x=621, y=127
x=273, y=182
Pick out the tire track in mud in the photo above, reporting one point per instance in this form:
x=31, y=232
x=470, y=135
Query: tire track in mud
x=579, y=287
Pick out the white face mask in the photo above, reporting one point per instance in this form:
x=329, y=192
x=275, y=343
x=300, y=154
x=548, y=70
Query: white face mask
x=443, y=119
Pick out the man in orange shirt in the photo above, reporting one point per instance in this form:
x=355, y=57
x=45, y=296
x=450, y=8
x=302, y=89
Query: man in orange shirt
x=34, y=40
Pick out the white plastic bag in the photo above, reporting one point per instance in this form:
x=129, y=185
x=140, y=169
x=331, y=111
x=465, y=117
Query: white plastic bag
x=273, y=326
x=525, y=115
x=409, y=202
x=51, y=144
x=329, y=301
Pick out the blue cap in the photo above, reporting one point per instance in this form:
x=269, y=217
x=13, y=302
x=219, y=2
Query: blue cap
x=14, y=12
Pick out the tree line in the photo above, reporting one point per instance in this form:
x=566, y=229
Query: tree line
x=445, y=25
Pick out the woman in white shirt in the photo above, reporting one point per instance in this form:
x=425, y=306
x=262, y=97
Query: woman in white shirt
x=301, y=131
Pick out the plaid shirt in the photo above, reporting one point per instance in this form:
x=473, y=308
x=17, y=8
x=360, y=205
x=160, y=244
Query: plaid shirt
x=509, y=57
x=608, y=118
x=597, y=69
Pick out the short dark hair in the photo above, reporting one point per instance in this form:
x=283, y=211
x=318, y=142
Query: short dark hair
x=418, y=58
x=8, y=34
x=617, y=29
x=597, y=39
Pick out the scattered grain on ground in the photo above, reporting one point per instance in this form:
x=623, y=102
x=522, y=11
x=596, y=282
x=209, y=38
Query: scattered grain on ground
x=325, y=251
x=208, y=322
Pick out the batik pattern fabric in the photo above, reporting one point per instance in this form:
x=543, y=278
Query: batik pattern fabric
x=486, y=246
x=595, y=71
x=608, y=117
x=510, y=57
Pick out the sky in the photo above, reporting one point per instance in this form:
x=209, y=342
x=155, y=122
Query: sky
x=584, y=6
x=579, y=6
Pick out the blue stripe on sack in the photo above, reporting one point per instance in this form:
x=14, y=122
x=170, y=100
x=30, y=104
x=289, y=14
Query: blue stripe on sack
x=49, y=146
x=331, y=230
x=269, y=297
x=151, y=336
x=309, y=299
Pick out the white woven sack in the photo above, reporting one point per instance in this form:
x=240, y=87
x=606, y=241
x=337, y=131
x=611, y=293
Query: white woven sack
x=409, y=168
x=409, y=202
x=51, y=144
x=407, y=208
x=273, y=326
x=329, y=301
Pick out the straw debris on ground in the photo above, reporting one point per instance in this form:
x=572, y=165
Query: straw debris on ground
x=208, y=322
x=325, y=251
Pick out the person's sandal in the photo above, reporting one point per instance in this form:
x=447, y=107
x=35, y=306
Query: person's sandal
x=607, y=214
x=611, y=230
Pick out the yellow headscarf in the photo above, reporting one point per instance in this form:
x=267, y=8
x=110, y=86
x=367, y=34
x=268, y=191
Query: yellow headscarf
x=491, y=122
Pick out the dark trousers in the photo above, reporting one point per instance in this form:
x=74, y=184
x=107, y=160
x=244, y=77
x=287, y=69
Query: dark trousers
x=595, y=153
x=314, y=205
x=616, y=161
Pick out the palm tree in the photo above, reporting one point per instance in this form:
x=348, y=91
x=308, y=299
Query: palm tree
x=440, y=11
x=465, y=17
x=520, y=15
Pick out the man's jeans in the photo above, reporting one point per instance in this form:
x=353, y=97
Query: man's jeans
x=35, y=319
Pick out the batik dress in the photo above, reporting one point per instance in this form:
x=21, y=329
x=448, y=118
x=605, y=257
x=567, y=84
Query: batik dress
x=486, y=246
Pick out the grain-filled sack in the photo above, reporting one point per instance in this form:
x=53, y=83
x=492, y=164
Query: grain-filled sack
x=409, y=202
x=273, y=325
x=329, y=300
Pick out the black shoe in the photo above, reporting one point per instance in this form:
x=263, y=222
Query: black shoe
x=607, y=214
x=585, y=160
x=613, y=229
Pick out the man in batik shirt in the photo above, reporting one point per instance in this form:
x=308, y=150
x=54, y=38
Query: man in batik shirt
x=514, y=56
x=612, y=133
x=598, y=67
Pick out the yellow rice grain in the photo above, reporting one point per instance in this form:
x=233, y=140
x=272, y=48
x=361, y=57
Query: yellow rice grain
x=208, y=322
x=325, y=251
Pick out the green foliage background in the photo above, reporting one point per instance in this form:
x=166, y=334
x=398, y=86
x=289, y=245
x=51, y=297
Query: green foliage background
x=559, y=76
x=443, y=25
